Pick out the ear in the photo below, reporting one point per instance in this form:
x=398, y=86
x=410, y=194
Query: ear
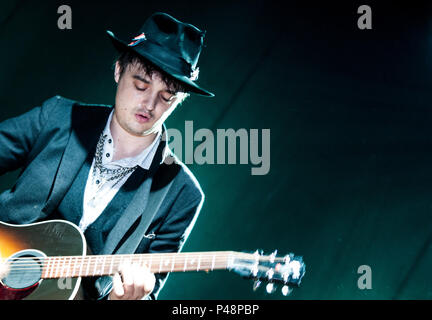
x=117, y=72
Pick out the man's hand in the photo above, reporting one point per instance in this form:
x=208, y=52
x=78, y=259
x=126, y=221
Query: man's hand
x=134, y=283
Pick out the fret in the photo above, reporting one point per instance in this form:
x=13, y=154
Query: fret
x=103, y=265
x=56, y=266
x=59, y=269
x=48, y=260
x=70, y=267
x=111, y=266
x=150, y=263
x=74, y=266
x=95, y=265
x=199, y=262
x=160, y=264
x=173, y=262
x=52, y=267
x=98, y=269
x=120, y=263
x=67, y=267
x=81, y=266
x=64, y=268
x=213, y=262
x=88, y=265
x=185, y=263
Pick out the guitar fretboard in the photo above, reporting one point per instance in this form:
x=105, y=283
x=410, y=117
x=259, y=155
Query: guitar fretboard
x=99, y=265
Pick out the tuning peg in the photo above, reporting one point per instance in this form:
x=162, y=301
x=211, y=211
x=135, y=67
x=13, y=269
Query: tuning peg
x=286, y=290
x=259, y=252
x=270, y=288
x=270, y=274
x=273, y=256
x=255, y=270
x=256, y=285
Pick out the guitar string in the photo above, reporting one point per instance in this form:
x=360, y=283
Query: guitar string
x=72, y=268
x=142, y=256
x=67, y=272
x=113, y=258
x=119, y=257
x=51, y=262
x=62, y=275
x=89, y=262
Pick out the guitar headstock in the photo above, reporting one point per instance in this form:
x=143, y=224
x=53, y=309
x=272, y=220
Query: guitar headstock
x=287, y=270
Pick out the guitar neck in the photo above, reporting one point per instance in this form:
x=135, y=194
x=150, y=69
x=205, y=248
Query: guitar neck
x=53, y=250
x=100, y=265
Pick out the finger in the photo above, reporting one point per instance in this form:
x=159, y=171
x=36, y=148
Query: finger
x=150, y=281
x=139, y=275
x=118, y=286
x=128, y=280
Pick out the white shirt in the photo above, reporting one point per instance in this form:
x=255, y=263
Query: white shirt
x=98, y=190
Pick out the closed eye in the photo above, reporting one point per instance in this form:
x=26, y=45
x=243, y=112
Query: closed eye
x=168, y=96
x=140, y=89
x=139, y=84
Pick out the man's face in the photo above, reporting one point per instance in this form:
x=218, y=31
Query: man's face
x=142, y=102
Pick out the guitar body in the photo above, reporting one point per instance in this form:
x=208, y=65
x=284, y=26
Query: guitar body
x=34, y=242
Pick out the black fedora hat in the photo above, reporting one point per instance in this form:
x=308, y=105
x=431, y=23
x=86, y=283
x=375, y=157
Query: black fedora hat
x=169, y=44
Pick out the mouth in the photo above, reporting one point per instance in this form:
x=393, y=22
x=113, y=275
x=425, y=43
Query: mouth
x=142, y=117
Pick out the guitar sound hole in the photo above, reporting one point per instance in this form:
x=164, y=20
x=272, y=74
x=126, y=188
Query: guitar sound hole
x=25, y=269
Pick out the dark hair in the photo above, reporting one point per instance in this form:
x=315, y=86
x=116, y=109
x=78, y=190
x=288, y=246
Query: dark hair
x=128, y=58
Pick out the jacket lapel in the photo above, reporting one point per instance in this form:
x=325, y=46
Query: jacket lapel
x=128, y=217
x=86, y=127
x=139, y=206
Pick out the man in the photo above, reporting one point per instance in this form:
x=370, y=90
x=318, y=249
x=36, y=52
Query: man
x=109, y=170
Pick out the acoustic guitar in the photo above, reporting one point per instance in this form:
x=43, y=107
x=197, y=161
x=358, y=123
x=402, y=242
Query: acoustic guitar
x=46, y=260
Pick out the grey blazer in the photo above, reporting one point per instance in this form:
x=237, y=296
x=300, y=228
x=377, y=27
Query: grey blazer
x=50, y=144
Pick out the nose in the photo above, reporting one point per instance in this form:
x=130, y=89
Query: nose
x=149, y=101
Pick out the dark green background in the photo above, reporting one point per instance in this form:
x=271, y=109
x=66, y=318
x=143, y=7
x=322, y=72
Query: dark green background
x=350, y=119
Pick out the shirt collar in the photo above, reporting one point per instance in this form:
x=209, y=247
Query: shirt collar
x=144, y=159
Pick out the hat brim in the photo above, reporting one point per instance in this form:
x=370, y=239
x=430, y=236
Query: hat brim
x=121, y=46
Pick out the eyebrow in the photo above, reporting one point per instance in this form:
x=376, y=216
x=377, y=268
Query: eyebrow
x=138, y=77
